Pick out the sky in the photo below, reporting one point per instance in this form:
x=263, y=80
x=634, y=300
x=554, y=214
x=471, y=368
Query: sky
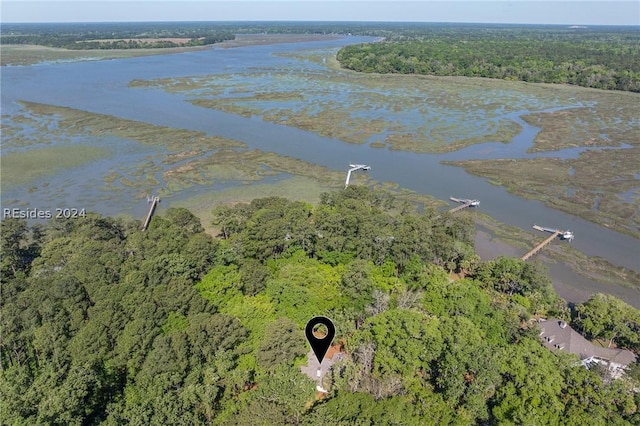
x=566, y=12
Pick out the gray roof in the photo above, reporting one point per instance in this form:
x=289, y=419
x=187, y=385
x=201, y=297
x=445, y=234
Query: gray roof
x=311, y=369
x=558, y=335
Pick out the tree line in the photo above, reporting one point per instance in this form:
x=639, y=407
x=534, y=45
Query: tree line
x=602, y=61
x=113, y=35
x=103, y=323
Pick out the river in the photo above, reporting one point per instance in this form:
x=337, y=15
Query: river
x=102, y=87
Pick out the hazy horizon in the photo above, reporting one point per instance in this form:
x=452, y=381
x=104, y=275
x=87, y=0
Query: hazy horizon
x=274, y=21
x=523, y=12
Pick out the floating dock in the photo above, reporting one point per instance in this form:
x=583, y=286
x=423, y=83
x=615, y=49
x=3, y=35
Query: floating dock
x=152, y=208
x=540, y=228
x=355, y=167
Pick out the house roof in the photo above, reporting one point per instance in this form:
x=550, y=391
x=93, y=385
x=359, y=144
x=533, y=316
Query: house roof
x=558, y=335
x=333, y=355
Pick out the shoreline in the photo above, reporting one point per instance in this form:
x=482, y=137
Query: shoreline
x=243, y=40
x=29, y=54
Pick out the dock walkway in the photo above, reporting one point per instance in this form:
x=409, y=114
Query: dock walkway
x=540, y=246
x=465, y=203
x=152, y=208
x=458, y=208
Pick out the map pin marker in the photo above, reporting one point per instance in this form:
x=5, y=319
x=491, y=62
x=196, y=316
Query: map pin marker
x=319, y=341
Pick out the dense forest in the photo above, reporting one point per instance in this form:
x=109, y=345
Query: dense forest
x=103, y=323
x=600, y=59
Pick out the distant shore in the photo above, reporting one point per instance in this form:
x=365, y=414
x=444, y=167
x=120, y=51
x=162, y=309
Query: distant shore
x=242, y=40
x=26, y=54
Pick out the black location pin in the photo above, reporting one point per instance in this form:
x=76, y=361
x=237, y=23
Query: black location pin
x=319, y=344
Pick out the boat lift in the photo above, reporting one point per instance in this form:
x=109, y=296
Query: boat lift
x=564, y=235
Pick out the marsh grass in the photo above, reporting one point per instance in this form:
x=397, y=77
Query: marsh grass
x=111, y=177
x=77, y=122
x=597, y=178
x=596, y=268
x=417, y=113
x=607, y=119
x=295, y=188
x=23, y=168
x=30, y=54
x=178, y=168
x=511, y=235
x=346, y=105
x=28, y=130
x=181, y=156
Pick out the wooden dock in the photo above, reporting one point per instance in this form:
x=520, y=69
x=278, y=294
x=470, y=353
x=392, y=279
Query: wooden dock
x=540, y=246
x=152, y=208
x=458, y=208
